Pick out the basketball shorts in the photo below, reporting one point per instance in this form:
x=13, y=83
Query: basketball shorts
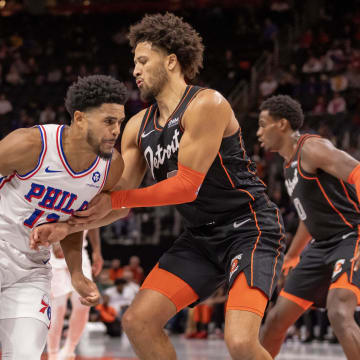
x=209, y=256
x=24, y=284
x=61, y=279
x=321, y=265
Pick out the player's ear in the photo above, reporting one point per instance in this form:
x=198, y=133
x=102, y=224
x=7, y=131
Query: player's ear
x=283, y=124
x=79, y=118
x=172, y=61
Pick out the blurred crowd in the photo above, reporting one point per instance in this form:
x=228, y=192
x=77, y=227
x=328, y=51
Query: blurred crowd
x=41, y=56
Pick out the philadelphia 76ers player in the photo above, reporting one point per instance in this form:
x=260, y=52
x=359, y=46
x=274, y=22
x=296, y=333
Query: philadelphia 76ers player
x=47, y=172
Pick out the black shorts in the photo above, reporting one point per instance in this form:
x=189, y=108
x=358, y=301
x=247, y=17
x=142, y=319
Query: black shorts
x=321, y=264
x=210, y=256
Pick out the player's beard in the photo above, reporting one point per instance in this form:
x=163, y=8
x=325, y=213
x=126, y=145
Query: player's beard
x=91, y=140
x=159, y=78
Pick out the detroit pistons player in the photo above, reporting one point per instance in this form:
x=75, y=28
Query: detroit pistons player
x=317, y=178
x=192, y=144
x=47, y=173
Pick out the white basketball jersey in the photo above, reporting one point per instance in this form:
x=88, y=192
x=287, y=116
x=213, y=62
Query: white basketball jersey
x=48, y=193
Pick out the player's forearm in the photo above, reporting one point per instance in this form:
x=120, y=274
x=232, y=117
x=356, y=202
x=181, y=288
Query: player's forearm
x=300, y=240
x=72, y=249
x=179, y=189
x=106, y=220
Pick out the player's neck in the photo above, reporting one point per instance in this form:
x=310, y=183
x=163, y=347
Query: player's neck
x=288, y=149
x=77, y=151
x=169, y=98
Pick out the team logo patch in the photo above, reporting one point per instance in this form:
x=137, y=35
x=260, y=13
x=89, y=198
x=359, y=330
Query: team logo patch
x=338, y=267
x=96, y=176
x=45, y=306
x=173, y=122
x=234, y=265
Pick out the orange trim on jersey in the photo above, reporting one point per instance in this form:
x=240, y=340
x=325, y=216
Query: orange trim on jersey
x=175, y=289
x=278, y=250
x=319, y=184
x=147, y=118
x=190, y=100
x=355, y=252
x=332, y=205
x=348, y=196
x=244, y=154
x=305, y=304
x=177, y=107
x=301, y=139
x=245, y=298
x=257, y=240
x=343, y=283
x=231, y=182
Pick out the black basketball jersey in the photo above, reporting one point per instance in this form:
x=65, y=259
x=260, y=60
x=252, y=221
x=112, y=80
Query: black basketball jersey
x=326, y=204
x=229, y=185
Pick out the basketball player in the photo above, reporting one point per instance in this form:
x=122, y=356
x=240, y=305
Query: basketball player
x=192, y=144
x=47, y=173
x=317, y=178
x=62, y=290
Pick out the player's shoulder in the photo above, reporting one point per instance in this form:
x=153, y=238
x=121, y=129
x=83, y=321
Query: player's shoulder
x=314, y=143
x=208, y=100
x=24, y=140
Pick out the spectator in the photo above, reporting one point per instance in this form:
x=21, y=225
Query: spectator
x=313, y=65
x=336, y=105
x=47, y=116
x=5, y=105
x=339, y=83
x=121, y=295
x=136, y=269
x=108, y=315
x=116, y=271
x=268, y=86
x=320, y=106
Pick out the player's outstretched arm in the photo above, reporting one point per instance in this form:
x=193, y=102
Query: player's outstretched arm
x=72, y=249
x=300, y=240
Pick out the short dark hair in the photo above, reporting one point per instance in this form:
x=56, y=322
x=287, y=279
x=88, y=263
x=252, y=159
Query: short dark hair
x=173, y=35
x=283, y=106
x=93, y=91
x=120, y=281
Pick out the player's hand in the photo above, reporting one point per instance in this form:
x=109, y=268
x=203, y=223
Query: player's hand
x=97, y=264
x=289, y=263
x=99, y=207
x=57, y=250
x=356, y=260
x=86, y=288
x=47, y=234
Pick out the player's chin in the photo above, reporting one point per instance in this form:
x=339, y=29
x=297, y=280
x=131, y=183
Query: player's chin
x=106, y=153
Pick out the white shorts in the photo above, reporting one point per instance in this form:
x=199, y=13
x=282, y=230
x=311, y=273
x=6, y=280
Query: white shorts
x=61, y=279
x=24, y=285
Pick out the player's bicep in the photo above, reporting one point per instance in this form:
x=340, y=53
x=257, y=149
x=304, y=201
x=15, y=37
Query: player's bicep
x=134, y=161
x=17, y=152
x=325, y=156
x=204, y=130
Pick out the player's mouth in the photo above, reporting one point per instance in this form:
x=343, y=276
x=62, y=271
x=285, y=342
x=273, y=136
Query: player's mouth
x=139, y=82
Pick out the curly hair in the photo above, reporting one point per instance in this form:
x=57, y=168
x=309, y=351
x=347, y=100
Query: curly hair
x=173, y=35
x=283, y=106
x=93, y=91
